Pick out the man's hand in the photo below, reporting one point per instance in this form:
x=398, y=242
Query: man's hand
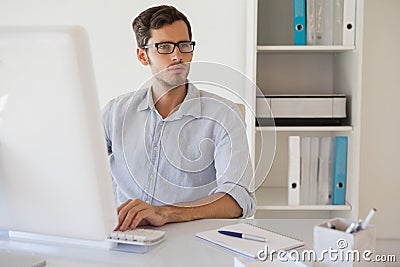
x=136, y=212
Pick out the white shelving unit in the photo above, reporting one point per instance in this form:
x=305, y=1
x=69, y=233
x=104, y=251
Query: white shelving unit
x=280, y=68
x=275, y=198
x=302, y=48
x=306, y=128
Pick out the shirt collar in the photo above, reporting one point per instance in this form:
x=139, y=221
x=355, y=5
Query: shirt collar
x=147, y=100
x=191, y=105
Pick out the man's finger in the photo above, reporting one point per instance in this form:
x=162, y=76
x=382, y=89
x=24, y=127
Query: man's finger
x=128, y=214
x=140, y=216
x=123, y=205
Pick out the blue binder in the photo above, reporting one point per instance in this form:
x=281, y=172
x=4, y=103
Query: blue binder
x=340, y=171
x=299, y=22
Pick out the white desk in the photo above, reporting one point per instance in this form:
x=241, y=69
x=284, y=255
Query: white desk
x=181, y=247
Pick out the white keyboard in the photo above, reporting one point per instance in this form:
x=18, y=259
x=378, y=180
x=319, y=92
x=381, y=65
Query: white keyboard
x=138, y=236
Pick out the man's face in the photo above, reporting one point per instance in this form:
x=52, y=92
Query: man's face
x=168, y=68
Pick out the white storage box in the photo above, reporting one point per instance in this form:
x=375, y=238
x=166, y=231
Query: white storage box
x=335, y=247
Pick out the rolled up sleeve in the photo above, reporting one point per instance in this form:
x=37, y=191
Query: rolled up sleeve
x=233, y=165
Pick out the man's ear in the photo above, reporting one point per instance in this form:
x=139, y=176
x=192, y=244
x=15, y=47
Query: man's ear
x=142, y=56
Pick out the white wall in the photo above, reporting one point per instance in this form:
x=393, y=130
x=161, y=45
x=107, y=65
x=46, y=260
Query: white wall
x=218, y=28
x=380, y=127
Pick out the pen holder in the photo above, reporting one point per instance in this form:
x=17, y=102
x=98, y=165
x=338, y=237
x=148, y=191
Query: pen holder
x=335, y=247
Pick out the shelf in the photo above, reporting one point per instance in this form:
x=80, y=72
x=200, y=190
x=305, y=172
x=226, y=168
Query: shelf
x=305, y=128
x=275, y=198
x=279, y=67
x=303, y=48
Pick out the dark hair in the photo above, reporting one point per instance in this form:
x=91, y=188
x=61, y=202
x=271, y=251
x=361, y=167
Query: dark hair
x=155, y=18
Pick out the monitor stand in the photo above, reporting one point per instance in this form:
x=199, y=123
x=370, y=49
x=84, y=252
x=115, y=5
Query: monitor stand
x=58, y=240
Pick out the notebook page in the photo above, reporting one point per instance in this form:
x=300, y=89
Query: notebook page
x=246, y=247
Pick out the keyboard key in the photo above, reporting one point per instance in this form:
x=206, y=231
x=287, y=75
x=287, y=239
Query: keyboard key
x=142, y=236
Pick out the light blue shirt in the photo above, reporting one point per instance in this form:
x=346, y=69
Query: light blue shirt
x=198, y=150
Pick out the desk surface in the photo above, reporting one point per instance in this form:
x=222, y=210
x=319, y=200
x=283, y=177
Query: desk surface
x=181, y=247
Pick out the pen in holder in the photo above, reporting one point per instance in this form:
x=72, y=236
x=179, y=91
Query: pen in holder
x=340, y=242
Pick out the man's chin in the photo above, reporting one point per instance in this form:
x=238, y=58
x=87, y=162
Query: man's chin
x=174, y=82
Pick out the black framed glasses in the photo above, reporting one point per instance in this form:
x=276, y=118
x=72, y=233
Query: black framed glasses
x=169, y=47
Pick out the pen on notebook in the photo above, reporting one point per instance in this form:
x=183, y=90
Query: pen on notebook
x=244, y=236
x=365, y=223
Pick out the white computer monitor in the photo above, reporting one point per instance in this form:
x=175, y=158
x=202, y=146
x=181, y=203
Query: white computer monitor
x=54, y=174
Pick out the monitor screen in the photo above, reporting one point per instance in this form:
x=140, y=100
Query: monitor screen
x=54, y=173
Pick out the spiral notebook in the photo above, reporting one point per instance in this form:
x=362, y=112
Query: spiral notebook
x=246, y=247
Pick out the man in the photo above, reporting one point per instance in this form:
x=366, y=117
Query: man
x=176, y=153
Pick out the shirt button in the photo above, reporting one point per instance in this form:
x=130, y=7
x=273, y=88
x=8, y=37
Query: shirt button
x=155, y=148
x=161, y=123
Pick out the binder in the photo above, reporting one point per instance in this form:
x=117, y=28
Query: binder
x=299, y=22
x=323, y=22
x=310, y=26
x=340, y=171
x=313, y=180
x=349, y=13
x=294, y=171
x=305, y=170
x=325, y=174
x=337, y=22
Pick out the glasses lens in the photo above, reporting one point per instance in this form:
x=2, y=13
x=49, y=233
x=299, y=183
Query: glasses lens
x=186, y=47
x=165, y=48
x=168, y=48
